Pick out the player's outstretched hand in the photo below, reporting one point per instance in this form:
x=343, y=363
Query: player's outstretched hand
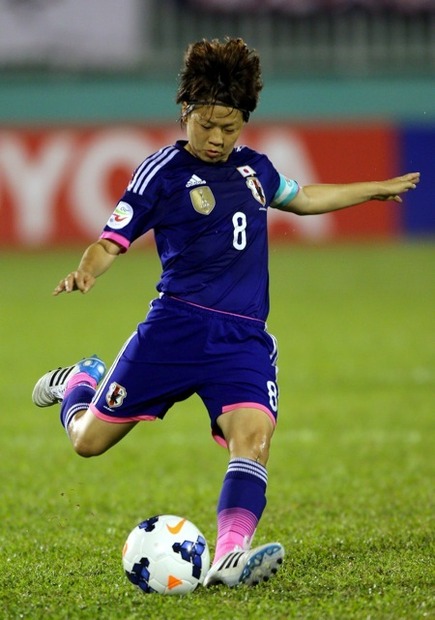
x=392, y=188
x=75, y=281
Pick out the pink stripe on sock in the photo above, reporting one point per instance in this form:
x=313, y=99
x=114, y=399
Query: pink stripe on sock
x=80, y=378
x=236, y=527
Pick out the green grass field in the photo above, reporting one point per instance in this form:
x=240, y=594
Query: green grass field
x=352, y=466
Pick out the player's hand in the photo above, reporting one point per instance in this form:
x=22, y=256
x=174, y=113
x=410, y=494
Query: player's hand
x=392, y=188
x=75, y=281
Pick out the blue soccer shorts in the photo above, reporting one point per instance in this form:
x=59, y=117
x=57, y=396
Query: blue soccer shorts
x=182, y=349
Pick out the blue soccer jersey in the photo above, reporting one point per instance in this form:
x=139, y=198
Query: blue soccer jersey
x=209, y=222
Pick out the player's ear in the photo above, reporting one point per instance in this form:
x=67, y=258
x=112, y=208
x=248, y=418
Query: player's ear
x=186, y=109
x=184, y=112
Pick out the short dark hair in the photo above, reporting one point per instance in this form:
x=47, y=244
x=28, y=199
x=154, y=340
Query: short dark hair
x=226, y=73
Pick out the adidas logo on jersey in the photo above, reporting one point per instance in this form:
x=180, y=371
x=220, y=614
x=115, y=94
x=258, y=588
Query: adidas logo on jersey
x=195, y=180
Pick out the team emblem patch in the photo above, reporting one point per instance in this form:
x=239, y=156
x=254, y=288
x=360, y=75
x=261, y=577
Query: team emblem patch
x=257, y=190
x=121, y=216
x=203, y=200
x=246, y=171
x=115, y=395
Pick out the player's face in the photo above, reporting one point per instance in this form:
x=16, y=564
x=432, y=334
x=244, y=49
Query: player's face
x=212, y=132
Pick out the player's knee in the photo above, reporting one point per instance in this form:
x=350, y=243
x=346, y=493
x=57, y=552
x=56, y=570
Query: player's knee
x=86, y=448
x=248, y=433
x=253, y=444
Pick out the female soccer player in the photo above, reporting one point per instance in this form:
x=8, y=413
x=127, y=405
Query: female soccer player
x=206, y=200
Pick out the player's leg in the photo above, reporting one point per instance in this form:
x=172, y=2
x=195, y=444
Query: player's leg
x=74, y=387
x=242, y=500
x=243, y=406
x=248, y=434
x=142, y=384
x=91, y=436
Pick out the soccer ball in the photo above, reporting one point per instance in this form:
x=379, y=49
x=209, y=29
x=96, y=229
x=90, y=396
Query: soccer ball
x=166, y=554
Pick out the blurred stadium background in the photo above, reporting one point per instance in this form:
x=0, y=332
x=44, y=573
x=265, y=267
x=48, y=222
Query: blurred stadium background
x=87, y=90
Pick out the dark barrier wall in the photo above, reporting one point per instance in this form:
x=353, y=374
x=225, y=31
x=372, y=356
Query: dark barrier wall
x=417, y=151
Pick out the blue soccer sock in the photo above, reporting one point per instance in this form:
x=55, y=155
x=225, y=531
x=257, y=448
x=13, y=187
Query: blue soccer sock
x=241, y=504
x=76, y=400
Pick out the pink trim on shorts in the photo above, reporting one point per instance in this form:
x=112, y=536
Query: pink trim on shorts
x=122, y=241
x=113, y=420
x=220, y=440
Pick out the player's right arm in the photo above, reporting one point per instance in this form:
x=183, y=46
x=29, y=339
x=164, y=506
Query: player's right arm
x=97, y=259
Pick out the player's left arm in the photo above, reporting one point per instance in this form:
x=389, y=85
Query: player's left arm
x=323, y=198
